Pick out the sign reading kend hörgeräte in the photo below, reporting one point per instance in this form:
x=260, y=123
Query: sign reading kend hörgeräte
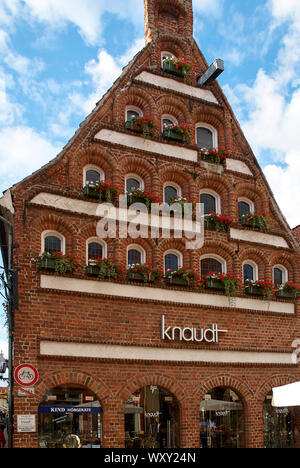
x=209, y=335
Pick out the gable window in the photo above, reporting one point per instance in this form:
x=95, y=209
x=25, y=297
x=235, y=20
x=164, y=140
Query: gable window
x=245, y=207
x=166, y=55
x=206, y=136
x=132, y=112
x=212, y=264
x=171, y=190
x=210, y=201
x=133, y=182
x=172, y=260
x=250, y=271
x=95, y=248
x=167, y=121
x=136, y=255
x=52, y=241
x=91, y=174
x=280, y=275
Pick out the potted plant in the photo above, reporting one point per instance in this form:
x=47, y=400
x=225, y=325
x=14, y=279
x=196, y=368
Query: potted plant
x=223, y=282
x=182, y=277
x=144, y=273
x=213, y=155
x=177, y=67
x=144, y=125
x=289, y=291
x=102, y=190
x=105, y=268
x=255, y=221
x=142, y=196
x=259, y=288
x=58, y=262
x=181, y=133
x=215, y=222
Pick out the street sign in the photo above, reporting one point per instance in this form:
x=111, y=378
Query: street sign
x=26, y=375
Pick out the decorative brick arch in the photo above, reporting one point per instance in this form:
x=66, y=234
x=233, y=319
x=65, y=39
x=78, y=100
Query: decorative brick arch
x=259, y=257
x=220, y=185
x=175, y=107
x=138, y=382
x=138, y=166
x=220, y=248
x=99, y=388
x=286, y=260
x=213, y=117
x=172, y=173
x=134, y=96
x=173, y=244
x=275, y=381
x=241, y=388
x=147, y=244
x=256, y=195
x=57, y=223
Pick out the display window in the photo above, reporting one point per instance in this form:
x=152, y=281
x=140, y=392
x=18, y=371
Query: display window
x=152, y=419
x=281, y=425
x=70, y=417
x=222, y=420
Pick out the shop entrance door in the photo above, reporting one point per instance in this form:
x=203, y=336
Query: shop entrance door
x=152, y=419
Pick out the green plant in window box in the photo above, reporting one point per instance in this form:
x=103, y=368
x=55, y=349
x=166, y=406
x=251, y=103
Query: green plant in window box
x=215, y=222
x=177, y=67
x=58, y=262
x=106, y=268
x=142, y=196
x=183, y=204
x=144, y=273
x=182, y=277
x=181, y=133
x=102, y=190
x=213, y=155
x=144, y=125
x=259, y=288
x=255, y=221
x=289, y=291
x=223, y=282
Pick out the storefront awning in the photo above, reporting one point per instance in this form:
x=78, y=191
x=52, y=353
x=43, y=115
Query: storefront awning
x=219, y=405
x=288, y=395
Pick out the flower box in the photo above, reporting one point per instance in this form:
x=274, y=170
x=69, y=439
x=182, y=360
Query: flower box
x=142, y=196
x=102, y=191
x=143, y=273
x=171, y=134
x=48, y=263
x=255, y=221
x=215, y=222
x=144, y=125
x=140, y=277
x=92, y=270
x=182, y=277
x=170, y=67
x=58, y=262
x=222, y=282
x=177, y=281
x=255, y=291
x=214, y=283
x=286, y=294
x=91, y=191
x=213, y=155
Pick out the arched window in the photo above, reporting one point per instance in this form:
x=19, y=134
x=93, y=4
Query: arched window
x=133, y=182
x=280, y=275
x=166, y=55
x=132, y=112
x=91, y=174
x=172, y=260
x=211, y=201
x=206, y=136
x=136, y=255
x=212, y=264
x=96, y=248
x=53, y=241
x=167, y=121
x=171, y=190
x=250, y=271
x=245, y=207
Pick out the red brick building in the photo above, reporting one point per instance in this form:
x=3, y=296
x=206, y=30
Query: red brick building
x=143, y=364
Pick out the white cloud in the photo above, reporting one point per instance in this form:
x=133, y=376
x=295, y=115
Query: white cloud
x=208, y=7
x=9, y=111
x=22, y=151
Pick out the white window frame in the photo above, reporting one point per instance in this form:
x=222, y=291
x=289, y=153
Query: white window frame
x=250, y=203
x=57, y=234
x=255, y=269
x=214, y=257
x=98, y=241
x=212, y=129
x=285, y=273
x=138, y=178
x=133, y=108
x=216, y=196
x=139, y=249
x=169, y=117
x=178, y=254
x=168, y=55
x=175, y=186
x=92, y=167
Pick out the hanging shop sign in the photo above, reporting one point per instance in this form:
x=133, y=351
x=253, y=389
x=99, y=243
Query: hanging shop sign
x=209, y=335
x=26, y=375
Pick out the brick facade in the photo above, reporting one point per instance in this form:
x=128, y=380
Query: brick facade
x=65, y=316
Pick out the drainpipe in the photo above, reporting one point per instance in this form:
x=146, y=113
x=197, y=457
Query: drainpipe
x=9, y=275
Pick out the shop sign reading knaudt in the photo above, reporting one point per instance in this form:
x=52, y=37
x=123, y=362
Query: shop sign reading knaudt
x=210, y=335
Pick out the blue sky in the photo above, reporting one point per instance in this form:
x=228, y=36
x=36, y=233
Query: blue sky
x=58, y=57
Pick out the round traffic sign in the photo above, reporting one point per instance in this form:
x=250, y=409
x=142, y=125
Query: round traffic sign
x=26, y=375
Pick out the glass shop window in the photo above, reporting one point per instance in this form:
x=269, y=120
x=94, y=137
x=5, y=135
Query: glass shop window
x=222, y=420
x=152, y=419
x=70, y=417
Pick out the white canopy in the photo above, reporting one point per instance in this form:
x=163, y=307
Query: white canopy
x=288, y=395
x=219, y=405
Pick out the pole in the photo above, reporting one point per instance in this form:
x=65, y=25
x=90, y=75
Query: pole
x=9, y=274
